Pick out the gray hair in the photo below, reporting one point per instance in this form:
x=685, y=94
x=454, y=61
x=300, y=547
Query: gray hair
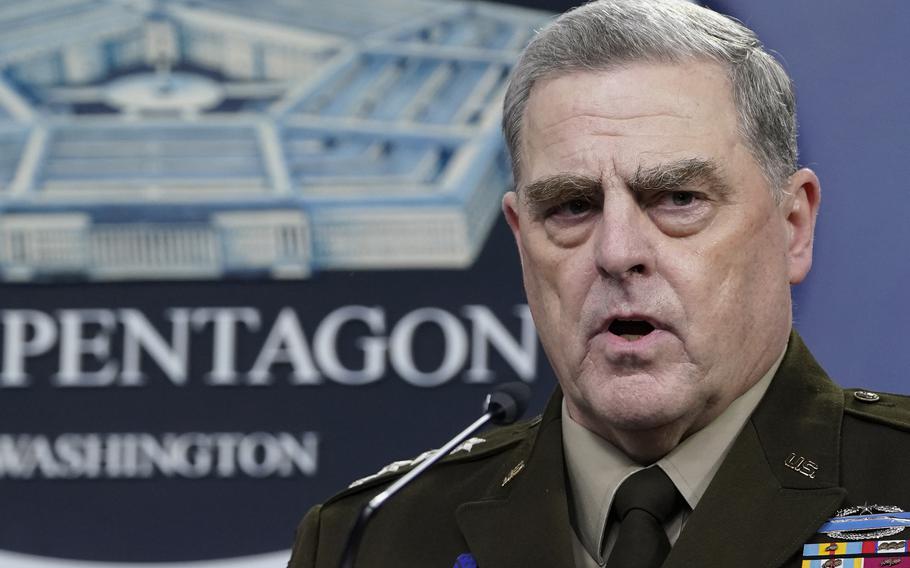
x=607, y=33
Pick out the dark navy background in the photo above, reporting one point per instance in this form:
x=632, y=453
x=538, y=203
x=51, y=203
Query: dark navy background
x=849, y=62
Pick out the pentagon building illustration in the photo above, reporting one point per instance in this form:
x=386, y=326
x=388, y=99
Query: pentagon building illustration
x=277, y=138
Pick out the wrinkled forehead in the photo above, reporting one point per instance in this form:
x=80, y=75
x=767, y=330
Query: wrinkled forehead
x=660, y=105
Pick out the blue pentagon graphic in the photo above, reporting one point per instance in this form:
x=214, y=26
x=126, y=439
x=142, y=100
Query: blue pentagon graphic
x=200, y=139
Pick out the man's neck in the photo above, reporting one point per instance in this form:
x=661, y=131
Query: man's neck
x=647, y=446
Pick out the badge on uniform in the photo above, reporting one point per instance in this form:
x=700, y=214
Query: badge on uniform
x=465, y=560
x=862, y=538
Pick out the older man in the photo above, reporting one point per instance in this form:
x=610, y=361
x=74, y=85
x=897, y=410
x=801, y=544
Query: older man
x=660, y=218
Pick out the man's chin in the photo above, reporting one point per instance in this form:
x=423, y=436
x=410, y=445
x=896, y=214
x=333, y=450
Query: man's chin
x=640, y=415
x=631, y=420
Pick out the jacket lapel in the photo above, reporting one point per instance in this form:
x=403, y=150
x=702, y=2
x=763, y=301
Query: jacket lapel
x=779, y=482
x=730, y=526
x=525, y=521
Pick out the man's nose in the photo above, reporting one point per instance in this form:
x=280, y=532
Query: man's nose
x=622, y=242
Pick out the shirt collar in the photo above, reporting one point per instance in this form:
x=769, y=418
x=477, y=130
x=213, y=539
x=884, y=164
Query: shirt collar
x=596, y=467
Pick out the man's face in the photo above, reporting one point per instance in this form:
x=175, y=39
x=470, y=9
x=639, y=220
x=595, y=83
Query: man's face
x=656, y=262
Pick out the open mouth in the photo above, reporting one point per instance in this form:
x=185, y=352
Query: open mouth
x=630, y=330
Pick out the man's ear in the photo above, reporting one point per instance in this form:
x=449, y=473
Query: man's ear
x=510, y=211
x=801, y=207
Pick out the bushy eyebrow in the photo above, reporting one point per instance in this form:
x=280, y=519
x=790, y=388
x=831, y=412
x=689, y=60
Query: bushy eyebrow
x=679, y=175
x=667, y=177
x=560, y=188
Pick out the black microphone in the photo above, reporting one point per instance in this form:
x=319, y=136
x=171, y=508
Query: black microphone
x=507, y=403
x=503, y=406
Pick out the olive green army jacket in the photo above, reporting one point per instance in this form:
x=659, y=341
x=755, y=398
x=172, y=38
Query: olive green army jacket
x=809, y=449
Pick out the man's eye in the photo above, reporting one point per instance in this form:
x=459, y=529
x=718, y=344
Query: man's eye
x=682, y=198
x=573, y=208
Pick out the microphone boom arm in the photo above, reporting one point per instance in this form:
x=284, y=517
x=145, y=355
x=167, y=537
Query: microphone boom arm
x=353, y=543
x=503, y=406
x=381, y=498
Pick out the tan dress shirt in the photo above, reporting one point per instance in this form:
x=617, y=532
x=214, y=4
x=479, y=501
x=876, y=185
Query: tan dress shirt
x=596, y=468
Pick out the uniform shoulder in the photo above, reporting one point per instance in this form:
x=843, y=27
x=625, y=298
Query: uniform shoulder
x=482, y=446
x=884, y=408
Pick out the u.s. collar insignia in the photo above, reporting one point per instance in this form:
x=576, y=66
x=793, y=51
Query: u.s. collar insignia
x=864, y=522
x=511, y=475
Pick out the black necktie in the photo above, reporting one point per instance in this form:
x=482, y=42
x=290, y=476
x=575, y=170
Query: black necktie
x=643, y=503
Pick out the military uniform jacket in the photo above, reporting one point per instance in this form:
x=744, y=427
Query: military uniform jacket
x=809, y=449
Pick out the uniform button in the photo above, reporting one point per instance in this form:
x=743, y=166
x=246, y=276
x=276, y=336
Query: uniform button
x=866, y=396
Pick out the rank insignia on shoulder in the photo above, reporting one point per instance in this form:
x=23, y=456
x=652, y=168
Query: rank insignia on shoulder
x=393, y=467
x=468, y=445
x=465, y=560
